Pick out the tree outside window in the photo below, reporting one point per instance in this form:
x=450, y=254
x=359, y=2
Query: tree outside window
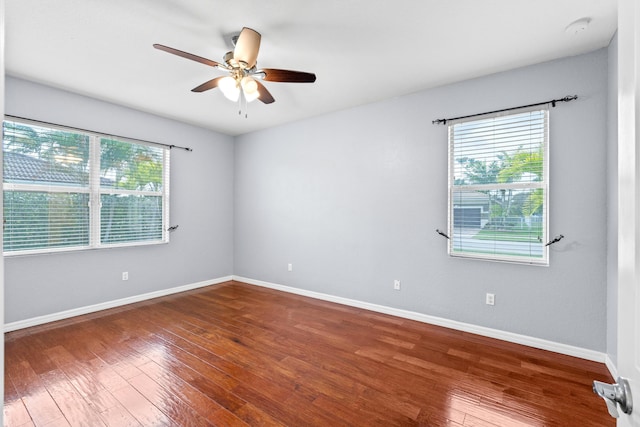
x=498, y=184
x=58, y=193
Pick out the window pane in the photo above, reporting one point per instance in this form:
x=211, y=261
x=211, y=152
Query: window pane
x=38, y=155
x=35, y=220
x=129, y=218
x=503, y=222
x=501, y=150
x=53, y=175
x=130, y=166
x=497, y=187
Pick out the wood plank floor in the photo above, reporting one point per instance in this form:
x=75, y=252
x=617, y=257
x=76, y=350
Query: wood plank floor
x=236, y=354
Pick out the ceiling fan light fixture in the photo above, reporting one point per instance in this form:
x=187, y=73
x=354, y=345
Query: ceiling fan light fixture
x=250, y=88
x=250, y=97
x=229, y=88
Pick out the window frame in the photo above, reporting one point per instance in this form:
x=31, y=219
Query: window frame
x=453, y=188
x=94, y=189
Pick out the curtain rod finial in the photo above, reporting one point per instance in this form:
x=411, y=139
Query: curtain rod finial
x=555, y=240
x=443, y=234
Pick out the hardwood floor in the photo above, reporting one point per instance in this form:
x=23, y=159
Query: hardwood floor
x=235, y=354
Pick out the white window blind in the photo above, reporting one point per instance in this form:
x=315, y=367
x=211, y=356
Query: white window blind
x=131, y=186
x=68, y=190
x=498, y=185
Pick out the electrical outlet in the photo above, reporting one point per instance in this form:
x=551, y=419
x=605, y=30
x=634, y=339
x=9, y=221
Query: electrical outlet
x=491, y=299
x=289, y=267
x=396, y=285
x=125, y=275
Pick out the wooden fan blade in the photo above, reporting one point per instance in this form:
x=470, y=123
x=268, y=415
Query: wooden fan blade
x=247, y=47
x=187, y=55
x=265, y=96
x=207, y=85
x=288, y=76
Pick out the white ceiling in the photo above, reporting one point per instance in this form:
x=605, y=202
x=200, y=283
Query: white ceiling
x=362, y=51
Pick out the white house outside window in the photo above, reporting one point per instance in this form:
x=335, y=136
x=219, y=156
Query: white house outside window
x=69, y=190
x=498, y=186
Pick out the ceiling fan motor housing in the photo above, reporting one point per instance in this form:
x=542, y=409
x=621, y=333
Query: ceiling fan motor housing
x=228, y=59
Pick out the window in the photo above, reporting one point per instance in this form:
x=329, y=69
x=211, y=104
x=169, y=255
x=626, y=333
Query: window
x=498, y=186
x=69, y=190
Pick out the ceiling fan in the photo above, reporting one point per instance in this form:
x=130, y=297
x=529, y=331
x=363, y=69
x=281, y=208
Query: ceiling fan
x=243, y=81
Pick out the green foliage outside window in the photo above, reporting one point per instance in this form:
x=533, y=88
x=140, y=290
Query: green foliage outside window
x=497, y=187
x=48, y=189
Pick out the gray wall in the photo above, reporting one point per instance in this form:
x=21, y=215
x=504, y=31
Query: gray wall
x=612, y=204
x=352, y=200
x=201, y=203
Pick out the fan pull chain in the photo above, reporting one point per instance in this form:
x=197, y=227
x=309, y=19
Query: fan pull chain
x=243, y=100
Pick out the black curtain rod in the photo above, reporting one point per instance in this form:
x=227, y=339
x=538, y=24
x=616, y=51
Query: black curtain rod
x=552, y=102
x=170, y=146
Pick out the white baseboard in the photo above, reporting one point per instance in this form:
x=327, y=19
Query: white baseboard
x=613, y=369
x=556, y=347
x=420, y=317
x=35, y=321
